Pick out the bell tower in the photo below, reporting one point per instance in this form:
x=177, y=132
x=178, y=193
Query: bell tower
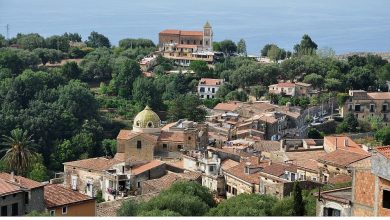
x=207, y=37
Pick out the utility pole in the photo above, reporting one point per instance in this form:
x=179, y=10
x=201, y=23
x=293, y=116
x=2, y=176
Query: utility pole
x=7, y=27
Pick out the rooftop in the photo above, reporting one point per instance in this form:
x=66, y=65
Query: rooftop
x=228, y=106
x=145, y=167
x=97, y=163
x=343, y=195
x=385, y=151
x=210, y=82
x=129, y=134
x=278, y=169
x=57, y=195
x=7, y=188
x=182, y=32
x=341, y=158
x=20, y=181
x=172, y=136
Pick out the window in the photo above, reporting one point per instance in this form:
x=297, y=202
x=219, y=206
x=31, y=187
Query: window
x=150, y=124
x=26, y=198
x=15, y=209
x=201, y=42
x=179, y=147
x=139, y=145
x=189, y=138
x=234, y=191
x=201, y=89
x=64, y=210
x=139, y=184
x=52, y=212
x=292, y=176
x=372, y=109
x=165, y=146
x=213, y=90
x=4, y=211
x=384, y=107
x=211, y=168
x=349, y=107
x=357, y=107
x=74, y=182
x=331, y=212
x=228, y=188
x=386, y=199
x=188, y=41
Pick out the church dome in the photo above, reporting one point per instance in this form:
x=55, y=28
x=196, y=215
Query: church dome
x=146, y=119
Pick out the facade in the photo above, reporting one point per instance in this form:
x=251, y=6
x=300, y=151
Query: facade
x=62, y=201
x=292, y=89
x=371, y=185
x=207, y=88
x=368, y=104
x=334, y=202
x=20, y=195
x=186, y=46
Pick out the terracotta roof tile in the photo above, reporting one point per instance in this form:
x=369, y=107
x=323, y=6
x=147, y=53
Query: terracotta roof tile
x=181, y=32
x=129, y=134
x=338, y=142
x=229, y=106
x=267, y=146
x=385, y=151
x=278, y=169
x=379, y=95
x=171, y=136
x=239, y=171
x=7, y=188
x=97, y=163
x=228, y=163
x=145, y=167
x=21, y=181
x=57, y=195
x=341, y=158
x=210, y=82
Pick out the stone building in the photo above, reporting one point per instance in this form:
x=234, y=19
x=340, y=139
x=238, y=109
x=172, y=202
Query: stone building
x=186, y=46
x=292, y=89
x=367, y=104
x=20, y=195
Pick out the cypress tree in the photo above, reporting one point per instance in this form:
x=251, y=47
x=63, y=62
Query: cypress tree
x=298, y=204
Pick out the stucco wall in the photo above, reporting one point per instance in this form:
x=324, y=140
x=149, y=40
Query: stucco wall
x=81, y=209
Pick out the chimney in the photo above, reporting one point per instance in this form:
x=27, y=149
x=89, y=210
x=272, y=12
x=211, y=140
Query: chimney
x=12, y=177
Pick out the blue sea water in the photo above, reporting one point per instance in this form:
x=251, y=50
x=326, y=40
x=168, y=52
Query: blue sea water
x=344, y=25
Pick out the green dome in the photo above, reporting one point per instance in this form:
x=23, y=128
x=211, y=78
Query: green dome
x=147, y=119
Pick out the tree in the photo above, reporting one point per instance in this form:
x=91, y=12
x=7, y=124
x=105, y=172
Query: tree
x=157, y=212
x=306, y=46
x=145, y=93
x=128, y=208
x=216, y=46
x=3, y=41
x=265, y=49
x=58, y=42
x=186, y=106
x=125, y=71
x=274, y=53
x=200, y=68
x=237, y=96
x=134, y=43
x=257, y=91
x=48, y=55
x=314, y=133
x=245, y=205
x=71, y=70
x=298, y=203
x=333, y=84
x=317, y=81
x=109, y=146
x=96, y=40
x=30, y=41
x=326, y=52
x=38, y=173
x=342, y=98
x=349, y=124
x=19, y=154
x=228, y=47
x=241, y=47
x=283, y=207
x=383, y=135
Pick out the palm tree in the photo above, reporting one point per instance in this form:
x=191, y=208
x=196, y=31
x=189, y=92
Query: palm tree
x=18, y=151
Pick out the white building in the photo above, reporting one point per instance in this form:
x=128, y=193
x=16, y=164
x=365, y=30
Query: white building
x=207, y=87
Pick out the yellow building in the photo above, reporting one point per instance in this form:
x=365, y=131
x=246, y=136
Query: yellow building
x=61, y=201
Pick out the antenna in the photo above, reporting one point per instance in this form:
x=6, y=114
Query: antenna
x=7, y=27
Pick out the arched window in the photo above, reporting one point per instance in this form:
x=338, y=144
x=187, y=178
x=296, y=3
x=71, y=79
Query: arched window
x=137, y=123
x=150, y=124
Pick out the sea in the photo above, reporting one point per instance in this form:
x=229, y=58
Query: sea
x=343, y=25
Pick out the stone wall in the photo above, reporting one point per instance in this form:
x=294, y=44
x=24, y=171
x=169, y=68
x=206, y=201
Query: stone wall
x=11, y=199
x=110, y=208
x=36, y=200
